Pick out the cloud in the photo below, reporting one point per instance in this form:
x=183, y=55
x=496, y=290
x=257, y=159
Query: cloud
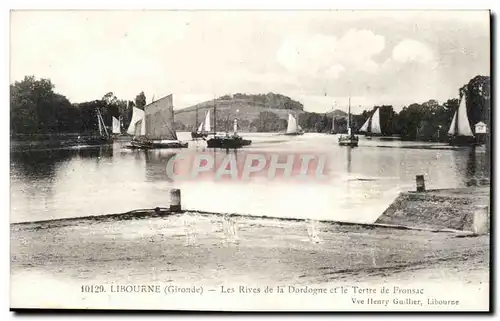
x=317, y=57
x=359, y=46
x=306, y=54
x=410, y=50
x=310, y=54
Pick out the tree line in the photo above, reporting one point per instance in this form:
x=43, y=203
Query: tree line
x=35, y=108
x=428, y=121
x=269, y=100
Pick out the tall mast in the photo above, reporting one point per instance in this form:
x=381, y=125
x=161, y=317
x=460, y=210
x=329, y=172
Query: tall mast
x=98, y=121
x=101, y=123
x=215, y=118
x=196, y=120
x=456, y=120
x=349, y=116
x=228, y=114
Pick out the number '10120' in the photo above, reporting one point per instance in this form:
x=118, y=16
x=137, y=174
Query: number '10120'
x=93, y=288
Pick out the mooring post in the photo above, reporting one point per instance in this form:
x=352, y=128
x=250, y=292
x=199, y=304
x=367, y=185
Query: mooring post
x=480, y=220
x=175, y=200
x=420, y=183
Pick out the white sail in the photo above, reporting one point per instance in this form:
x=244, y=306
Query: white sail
x=292, y=125
x=364, y=128
x=451, y=131
x=139, y=128
x=137, y=116
x=116, y=125
x=375, y=128
x=235, y=126
x=159, y=119
x=333, y=125
x=200, y=128
x=207, y=122
x=462, y=119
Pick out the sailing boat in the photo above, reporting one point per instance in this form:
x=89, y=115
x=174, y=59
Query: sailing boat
x=155, y=129
x=203, y=128
x=293, y=129
x=227, y=140
x=102, y=138
x=116, y=126
x=351, y=139
x=137, y=126
x=372, y=125
x=460, y=131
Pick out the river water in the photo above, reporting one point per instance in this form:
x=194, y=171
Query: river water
x=82, y=181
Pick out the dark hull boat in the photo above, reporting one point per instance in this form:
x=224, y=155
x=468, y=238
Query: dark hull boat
x=463, y=141
x=195, y=135
x=460, y=132
x=204, y=128
x=94, y=140
x=233, y=141
x=348, y=141
x=153, y=127
x=227, y=141
x=150, y=144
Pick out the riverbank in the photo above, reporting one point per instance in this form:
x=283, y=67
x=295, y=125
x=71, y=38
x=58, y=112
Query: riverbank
x=42, y=142
x=213, y=251
x=443, y=208
x=219, y=251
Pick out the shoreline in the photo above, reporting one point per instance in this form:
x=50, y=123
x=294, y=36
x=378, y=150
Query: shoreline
x=402, y=213
x=215, y=251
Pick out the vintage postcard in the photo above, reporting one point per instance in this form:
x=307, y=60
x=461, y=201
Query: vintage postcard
x=323, y=160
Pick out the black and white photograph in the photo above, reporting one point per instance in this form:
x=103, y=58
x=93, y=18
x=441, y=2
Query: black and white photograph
x=250, y=160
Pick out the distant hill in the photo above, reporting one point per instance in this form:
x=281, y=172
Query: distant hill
x=246, y=108
x=337, y=113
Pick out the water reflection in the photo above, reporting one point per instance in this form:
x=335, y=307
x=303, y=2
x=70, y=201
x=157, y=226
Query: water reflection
x=113, y=179
x=156, y=164
x=470, y=164
x=470, y=173
x=38, y=165
x=349, y=160
x=97, y=152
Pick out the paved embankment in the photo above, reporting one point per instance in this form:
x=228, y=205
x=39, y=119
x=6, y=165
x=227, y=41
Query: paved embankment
x=213, y=250
x=445, y=208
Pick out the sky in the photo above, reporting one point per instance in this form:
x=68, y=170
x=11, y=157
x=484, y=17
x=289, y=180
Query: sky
x=320, y=58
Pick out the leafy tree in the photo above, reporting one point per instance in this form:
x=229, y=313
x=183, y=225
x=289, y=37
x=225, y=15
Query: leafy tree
x=87, y=110
x=125, y=110
x=36, y=108
x=110, y=98
x=268, y=122
x=140, y=100
x=478, y=99
x=388, y=119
